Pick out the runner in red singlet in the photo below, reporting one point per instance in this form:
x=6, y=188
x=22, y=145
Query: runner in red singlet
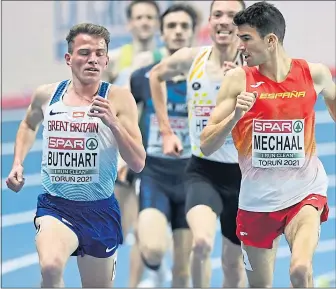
x=269, y=107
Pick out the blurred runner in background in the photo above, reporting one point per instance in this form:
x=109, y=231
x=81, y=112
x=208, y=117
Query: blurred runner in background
x=213, y=181
x=143, y=24
x=163, y=185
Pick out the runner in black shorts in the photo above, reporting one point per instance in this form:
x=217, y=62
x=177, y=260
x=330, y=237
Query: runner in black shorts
x=215, y=185
x=162, y=195
x=213, y=182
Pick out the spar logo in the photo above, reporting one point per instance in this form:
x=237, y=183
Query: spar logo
x=277, y=126
x=91, y=144
x=203, y=110
x=75, y=144
x=298, y=126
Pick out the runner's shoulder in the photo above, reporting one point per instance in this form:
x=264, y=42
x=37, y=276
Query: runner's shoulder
x=43, y=92
x=190, y=52
x=319, y=71
x=120, y=95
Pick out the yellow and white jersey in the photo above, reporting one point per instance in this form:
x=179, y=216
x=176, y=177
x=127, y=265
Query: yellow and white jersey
x=202, y=94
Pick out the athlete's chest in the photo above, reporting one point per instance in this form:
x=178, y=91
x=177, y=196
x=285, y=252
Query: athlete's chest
x=213, y=72
x=65, y=121
x=282, y=101
x=203, y=90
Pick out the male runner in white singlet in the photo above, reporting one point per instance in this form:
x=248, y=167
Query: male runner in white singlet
x=213, y=182
x=86, y=122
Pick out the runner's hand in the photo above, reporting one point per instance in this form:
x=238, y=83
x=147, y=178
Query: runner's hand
x=228, y=66
x=245, y=101
x=101, y=108
x=172, y=145
x=15, y=180
x=122, y=174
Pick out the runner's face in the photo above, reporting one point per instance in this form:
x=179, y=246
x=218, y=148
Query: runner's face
x=144, y=21
x=222, y=30
x=177, y=30
x=255, y=49
x=89, y=58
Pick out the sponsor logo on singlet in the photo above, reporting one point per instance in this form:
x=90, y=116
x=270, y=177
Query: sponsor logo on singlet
x=196, y=86
x=278, y=143
x=200, y=120
x=287, y=94
x=72, y=159
x=202, y=114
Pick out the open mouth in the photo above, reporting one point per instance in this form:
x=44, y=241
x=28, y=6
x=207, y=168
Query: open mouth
x=92, y=69
x=223, y=32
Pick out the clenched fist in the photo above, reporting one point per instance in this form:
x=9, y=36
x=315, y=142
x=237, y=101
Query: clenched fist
x=15, y=180
x=101, y=108
x=172, y=145
x=245, y=101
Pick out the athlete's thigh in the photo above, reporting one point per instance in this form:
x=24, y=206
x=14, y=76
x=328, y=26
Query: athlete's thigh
x=203, y=205
x=201, y=210
x=232, y=254
x=155, y=212
x=259, y=264
x=128, y=202
x=97, y=272
x=259, y=233
x=303, y=228
x=228, y=217
x=201, y=191
x=178, y=196
x=55, y=241
x=153, y=195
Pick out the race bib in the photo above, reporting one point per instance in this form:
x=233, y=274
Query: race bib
x=73, y=160
x=201, y=115
x=278, y=143
x=178, y=124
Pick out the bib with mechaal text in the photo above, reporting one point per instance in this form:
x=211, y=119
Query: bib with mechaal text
x=278, y=143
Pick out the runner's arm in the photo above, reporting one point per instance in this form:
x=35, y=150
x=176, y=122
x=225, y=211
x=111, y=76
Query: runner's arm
x=111, y=72
x=136, y=80
x=222, y=120
x=29, y=126
x=127, y=132
x=176, y=64
x=328, y=86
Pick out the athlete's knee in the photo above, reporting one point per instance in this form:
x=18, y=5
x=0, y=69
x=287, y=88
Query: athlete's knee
x=233, y=264
x=152, y=254
x=234, y=272
x=300, y=273
x=202, y=247
x=52, y=269
x=233, y=268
